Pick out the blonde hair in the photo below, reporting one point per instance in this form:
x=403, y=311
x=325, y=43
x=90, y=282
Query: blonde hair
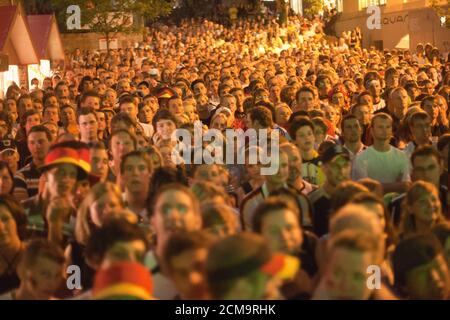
x=217, y=115
x=84, y=224
x=418, y=189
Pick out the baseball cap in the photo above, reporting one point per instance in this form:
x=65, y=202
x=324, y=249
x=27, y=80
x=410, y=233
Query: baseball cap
x=333, y=151
x=143, y=83
x=7, y=144
x=164, y=93
x=223, y=110
x=153, y=72
x=69, y=152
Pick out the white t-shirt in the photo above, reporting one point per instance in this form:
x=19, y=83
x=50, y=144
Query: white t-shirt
x=411, y=147
x=380, y=105
x=7, y=296
x=384, y=167
x=163, y=288
x=148, y=129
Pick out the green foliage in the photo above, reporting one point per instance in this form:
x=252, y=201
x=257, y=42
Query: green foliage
x=113, y=16
x=442, y=10
x=312, y=7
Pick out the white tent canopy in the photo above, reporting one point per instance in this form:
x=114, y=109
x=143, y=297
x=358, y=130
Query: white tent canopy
x=403, y=43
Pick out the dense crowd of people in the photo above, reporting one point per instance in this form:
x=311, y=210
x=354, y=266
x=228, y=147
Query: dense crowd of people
x=358, y=208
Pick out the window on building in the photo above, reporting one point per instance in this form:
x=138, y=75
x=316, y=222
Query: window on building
x=363, y=4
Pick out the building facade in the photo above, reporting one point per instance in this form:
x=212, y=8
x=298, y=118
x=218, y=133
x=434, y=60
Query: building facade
x=401, y=23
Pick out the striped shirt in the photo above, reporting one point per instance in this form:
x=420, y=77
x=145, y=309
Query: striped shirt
x=26, y=181
x=257, y=196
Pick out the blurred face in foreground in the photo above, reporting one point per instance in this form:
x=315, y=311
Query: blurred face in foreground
x=187, y=271
x=346, y=274
x=132, y=251
x=430, y=281
x=282, y=230
x=104, y=206
x=174, y=210
x=43, y=278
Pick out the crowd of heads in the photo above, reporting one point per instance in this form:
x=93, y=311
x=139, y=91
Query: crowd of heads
x=91, y=180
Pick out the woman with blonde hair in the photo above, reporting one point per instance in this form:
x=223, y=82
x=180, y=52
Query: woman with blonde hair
x=219, y=121
x=102, y=200
x=422, y=209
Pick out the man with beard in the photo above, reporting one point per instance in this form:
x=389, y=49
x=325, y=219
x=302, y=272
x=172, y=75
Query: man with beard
x=398, y=105
x=295, y=179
